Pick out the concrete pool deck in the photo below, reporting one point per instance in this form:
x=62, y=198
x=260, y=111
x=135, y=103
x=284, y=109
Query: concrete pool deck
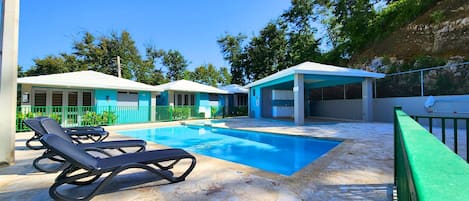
x=360, y=168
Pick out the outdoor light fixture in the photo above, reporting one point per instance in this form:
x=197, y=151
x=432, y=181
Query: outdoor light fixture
x=25, y=97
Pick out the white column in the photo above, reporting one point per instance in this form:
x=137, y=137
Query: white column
x=367, y=99
x=153, y=105
x=299, y=99
x=8, y=74
x=249, y=103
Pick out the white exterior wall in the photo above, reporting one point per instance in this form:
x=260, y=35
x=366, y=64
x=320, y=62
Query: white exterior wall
x=457, y=105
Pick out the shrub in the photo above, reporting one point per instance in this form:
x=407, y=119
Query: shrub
x=94, y=119
x=437, y=16
x=180, y=113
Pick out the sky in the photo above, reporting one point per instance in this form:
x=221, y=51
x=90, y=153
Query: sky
x=49, y=27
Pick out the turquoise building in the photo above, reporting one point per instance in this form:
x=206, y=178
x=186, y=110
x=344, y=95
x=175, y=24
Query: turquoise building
x=286, y=94
x=201, y=98
x=72, y=96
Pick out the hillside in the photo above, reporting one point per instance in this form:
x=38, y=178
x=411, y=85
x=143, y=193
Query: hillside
x=442, y=31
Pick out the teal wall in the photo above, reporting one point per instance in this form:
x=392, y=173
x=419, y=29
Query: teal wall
x=106, y=100
x=255, y=102
x=136, y=115
x=105, y=97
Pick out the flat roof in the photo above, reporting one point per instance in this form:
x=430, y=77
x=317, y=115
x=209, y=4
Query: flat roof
x=86, y=79
x=189, y=86
x=312, y=68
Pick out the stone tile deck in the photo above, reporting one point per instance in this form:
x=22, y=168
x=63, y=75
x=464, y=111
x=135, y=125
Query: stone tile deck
x=360, y=168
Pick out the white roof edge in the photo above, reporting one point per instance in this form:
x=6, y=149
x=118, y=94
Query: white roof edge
x=86, y=80
x=274, y=76
x=349, y=74
x=315, y=68
x=190, y=86
x=153, y=89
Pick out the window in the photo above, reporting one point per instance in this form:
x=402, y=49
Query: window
x=192, y=99
x=242, y=100
x=179, y=99
x=40, y=98
x=87, y=98
x=213, y=97
x=73, y=98
x=186, y=99
x=127, y=99
x=57, y=97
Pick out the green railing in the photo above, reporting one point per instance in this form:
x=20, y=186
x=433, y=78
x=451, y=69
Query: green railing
x=424, y=168
x=443, y=121
x=112, y=115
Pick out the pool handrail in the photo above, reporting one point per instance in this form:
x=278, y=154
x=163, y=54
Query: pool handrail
x=425, y=168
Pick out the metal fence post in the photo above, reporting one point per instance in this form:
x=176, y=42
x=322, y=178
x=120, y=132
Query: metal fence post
x=421, y=83
x=396, y=108
x=170, y=113
x=108, y=112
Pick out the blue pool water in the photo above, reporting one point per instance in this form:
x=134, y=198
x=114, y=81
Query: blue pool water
x=283, y=154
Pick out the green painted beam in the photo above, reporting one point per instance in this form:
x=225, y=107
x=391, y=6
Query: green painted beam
x=438, y=173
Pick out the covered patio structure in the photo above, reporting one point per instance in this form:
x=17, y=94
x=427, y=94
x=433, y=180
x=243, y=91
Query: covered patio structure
x=284, y=93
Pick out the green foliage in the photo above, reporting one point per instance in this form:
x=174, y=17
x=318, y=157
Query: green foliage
x=95, y=119
x=232, y=49
x=427, y=61
x=284, y=42
x=20, y=71
x=20, y=117
x=266, y=53
x=181, y=113
x=56, y=116
x=100, y=54
x=176, y=64
x=225, y=76
x=437, y=16
x=49, y=65
x=353, y=25
x=213, y=111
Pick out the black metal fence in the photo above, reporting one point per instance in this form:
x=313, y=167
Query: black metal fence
x=455, y=138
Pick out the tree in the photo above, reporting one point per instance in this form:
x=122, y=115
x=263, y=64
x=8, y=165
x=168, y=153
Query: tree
x=206, y=74
x=284, y=42
x=49, y=65
x=150, y=72
x=266, y=53
x=175, y=63
x=21, y=72
x=231, y=47
x=101, y=54
x=302, y=45
x=225, y=76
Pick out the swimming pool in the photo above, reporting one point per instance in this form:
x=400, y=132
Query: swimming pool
x=282, y=154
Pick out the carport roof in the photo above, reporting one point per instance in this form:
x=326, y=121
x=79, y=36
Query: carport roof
x=311, y=68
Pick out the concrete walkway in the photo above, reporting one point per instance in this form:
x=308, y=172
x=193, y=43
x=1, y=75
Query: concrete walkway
x=360, y=168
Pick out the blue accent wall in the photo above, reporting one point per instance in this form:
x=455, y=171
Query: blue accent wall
x=105, y=97
x=255, y=101
x=164, y=99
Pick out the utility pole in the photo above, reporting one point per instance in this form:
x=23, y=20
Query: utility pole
x=119, y=67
